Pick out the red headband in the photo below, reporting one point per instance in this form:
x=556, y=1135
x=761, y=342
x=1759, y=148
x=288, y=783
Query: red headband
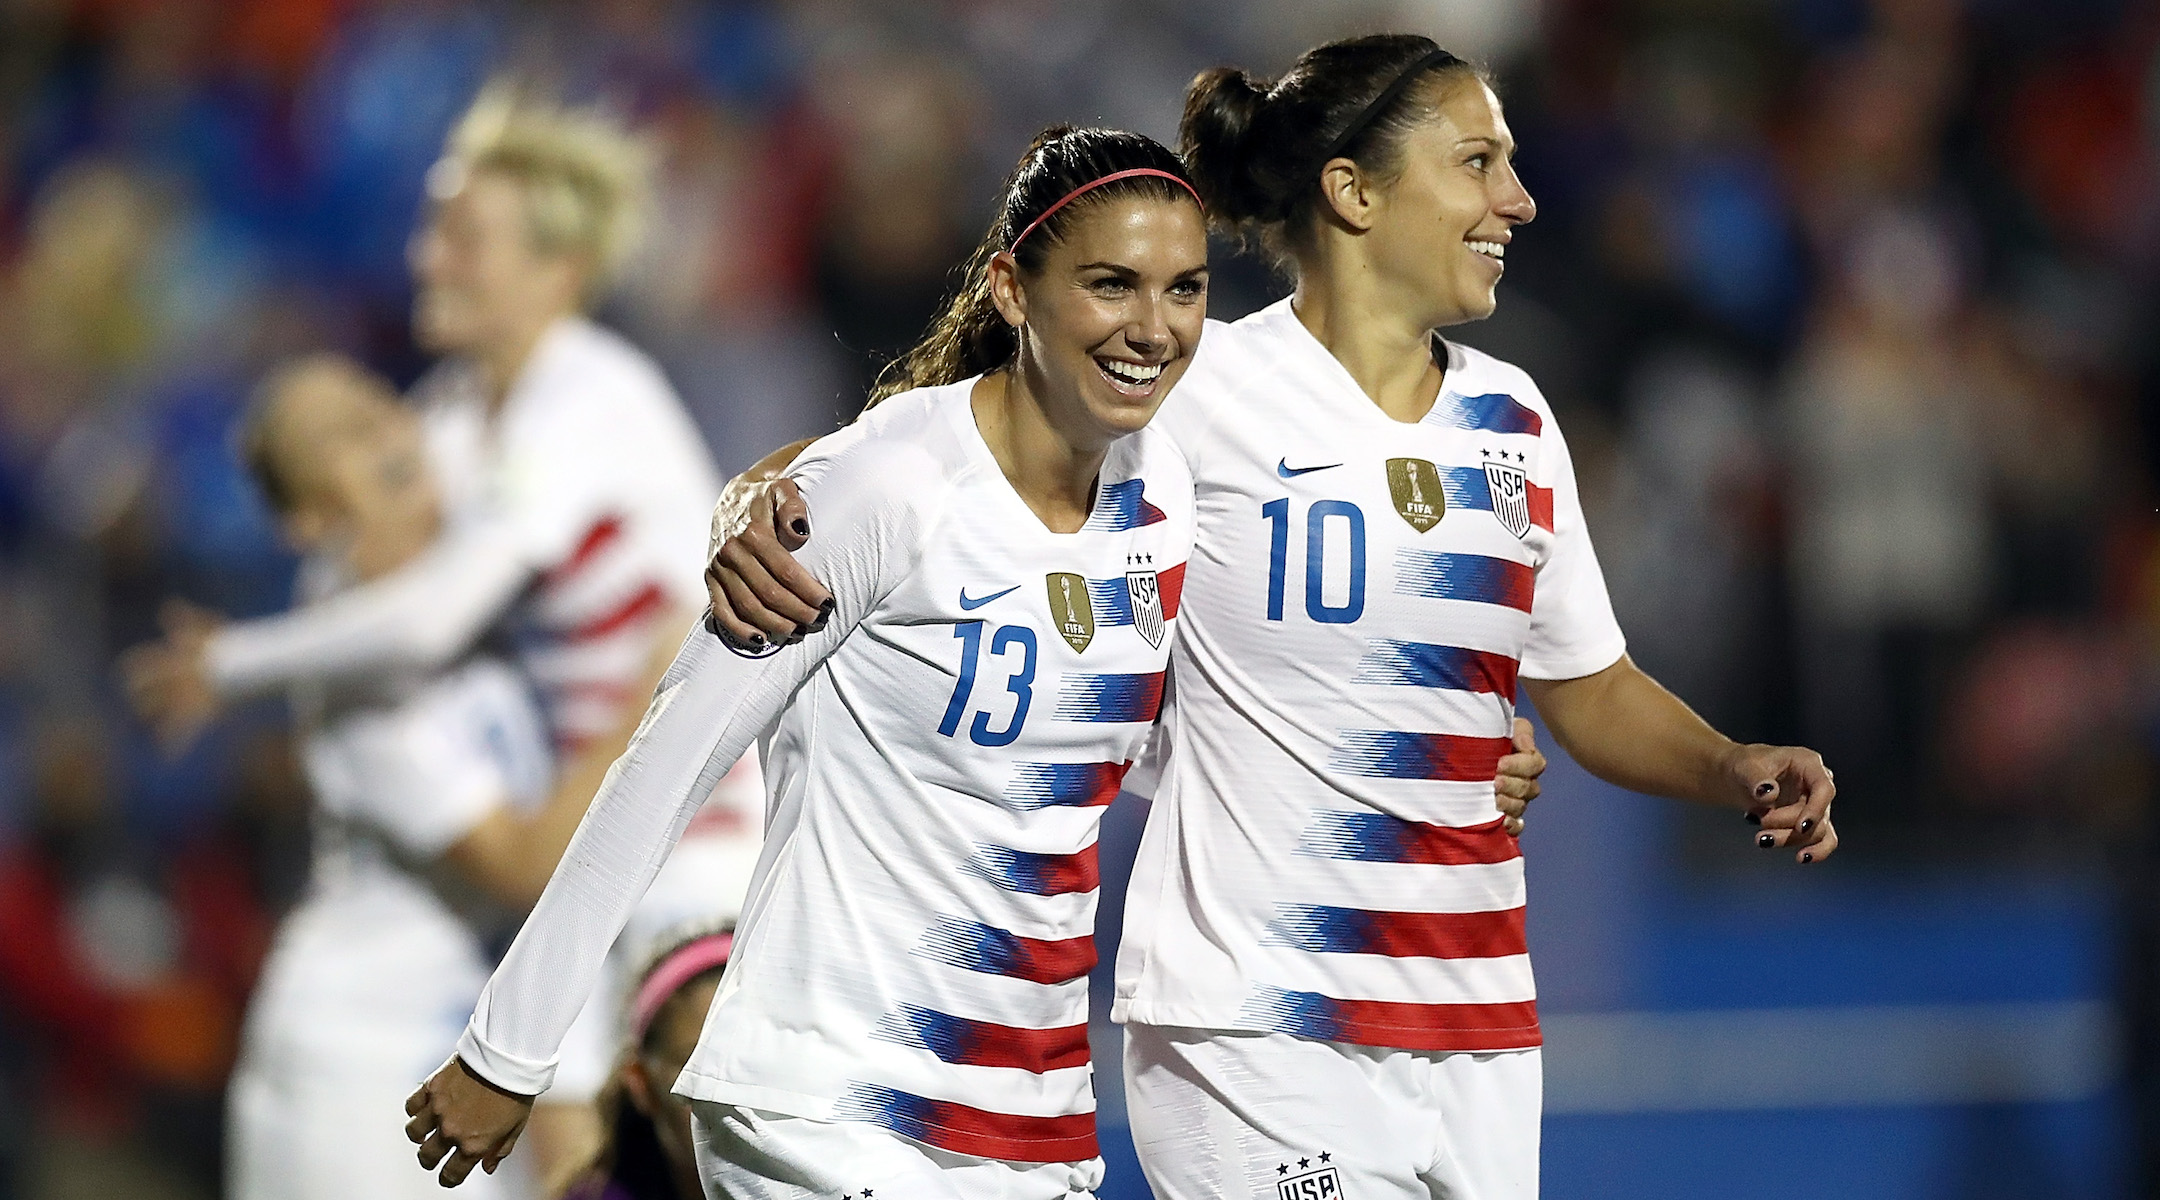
x=1085, y=188
x=692, y=960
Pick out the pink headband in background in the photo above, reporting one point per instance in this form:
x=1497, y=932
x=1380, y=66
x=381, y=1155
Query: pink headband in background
x=693, y=959
x=1090, y=186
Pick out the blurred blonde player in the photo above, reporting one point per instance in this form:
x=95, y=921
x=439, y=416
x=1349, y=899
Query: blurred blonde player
x=427, y=787
x=576, y=488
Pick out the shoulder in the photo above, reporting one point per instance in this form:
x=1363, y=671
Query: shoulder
x=1473, y=372
x=903, y=454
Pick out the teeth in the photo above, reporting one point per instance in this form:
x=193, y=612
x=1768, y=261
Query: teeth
x=1491, y=249
x=1133, y=373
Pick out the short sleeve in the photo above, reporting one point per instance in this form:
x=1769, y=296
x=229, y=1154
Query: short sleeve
x=1573, y=632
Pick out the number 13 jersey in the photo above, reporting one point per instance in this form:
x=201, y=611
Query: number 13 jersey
x=1325, y=857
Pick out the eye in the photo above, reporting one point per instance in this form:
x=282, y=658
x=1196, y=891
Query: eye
x=1480, y=162
x=1110, y=285
x=1189, y=288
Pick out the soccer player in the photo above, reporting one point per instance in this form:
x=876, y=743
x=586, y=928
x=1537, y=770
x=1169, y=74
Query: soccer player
x=1324, y=978
x=649, y=1152
x=579, y=493
x=906, y=1007
x=417, y=778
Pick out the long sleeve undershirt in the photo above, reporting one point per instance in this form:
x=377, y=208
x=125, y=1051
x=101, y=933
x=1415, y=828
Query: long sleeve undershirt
x=712, y=704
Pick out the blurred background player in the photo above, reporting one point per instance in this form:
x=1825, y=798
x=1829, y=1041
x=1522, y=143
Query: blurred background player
x=647, y=1152
x=577, y=494
x=428, y=785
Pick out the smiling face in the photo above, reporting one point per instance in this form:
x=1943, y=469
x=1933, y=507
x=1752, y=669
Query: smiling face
x=1444, y=224
x=478, y=278
x=350, y=460
x=1110, y=319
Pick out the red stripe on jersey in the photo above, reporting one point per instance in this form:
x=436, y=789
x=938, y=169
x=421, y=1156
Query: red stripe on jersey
x=1045, y=961
x=1440, y=1027
x=950, y=1125
x=1327, y=929
x=648, y=602
x=1541, y=507
x=603, y=534
x=975, y=1043
x=1171, y=585
x=1378, y=837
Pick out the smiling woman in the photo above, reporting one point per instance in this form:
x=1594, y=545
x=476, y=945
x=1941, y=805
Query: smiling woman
x=906, y=1004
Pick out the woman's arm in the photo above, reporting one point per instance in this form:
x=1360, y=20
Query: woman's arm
x=712, y=703
x=511, y=855
x=418, y=616
x=1627, y=730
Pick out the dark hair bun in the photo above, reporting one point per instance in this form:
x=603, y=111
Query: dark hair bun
x=1221, y=108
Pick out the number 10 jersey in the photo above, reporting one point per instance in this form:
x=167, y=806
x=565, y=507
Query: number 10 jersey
x=1325, y=857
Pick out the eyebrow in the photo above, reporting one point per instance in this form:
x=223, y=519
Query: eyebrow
x=1508, y=147
x=1130, y=270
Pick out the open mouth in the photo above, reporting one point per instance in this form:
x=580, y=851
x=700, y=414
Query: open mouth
x=1495, y=251
x=1130, y=378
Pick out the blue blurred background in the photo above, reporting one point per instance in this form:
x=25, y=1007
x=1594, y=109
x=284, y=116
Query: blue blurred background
x=1849, y=309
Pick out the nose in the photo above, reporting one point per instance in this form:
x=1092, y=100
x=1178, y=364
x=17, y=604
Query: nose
x=1513, y=203
x=1149, y=329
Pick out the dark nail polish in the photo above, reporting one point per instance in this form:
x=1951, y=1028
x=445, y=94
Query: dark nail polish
x=1808, y=857
x=1766, y=841
x=1807, y=824
x=757, y=641
x=1764, y=789
x=826, y=609
x=800, y=526
x=1754, y=818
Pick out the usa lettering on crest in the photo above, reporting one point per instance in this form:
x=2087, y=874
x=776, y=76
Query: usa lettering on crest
x=1146, y=605
x=1323, y=1184
x=1510, y=489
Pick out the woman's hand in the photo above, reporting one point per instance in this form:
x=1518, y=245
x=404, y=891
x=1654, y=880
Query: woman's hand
x=760, y=595
x=168, y=682
x=1788, y=792
x=1517, y=783
x=462, y=1121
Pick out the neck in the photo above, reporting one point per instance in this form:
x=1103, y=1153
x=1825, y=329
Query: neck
x=502, y=359
x=1053, y=473
x=1380, y=335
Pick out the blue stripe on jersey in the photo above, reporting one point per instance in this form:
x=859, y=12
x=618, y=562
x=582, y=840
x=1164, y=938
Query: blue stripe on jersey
x=1112, y=698
x=1466, y=488
x=1397, y=754
x=974, y=946
x=1381, y=838
x=1112, y=601
x=1472, y=577
x=1423, y=664
x=1036, y=874
x=1495, y=413
x=1122, y=506
x=1040, y=785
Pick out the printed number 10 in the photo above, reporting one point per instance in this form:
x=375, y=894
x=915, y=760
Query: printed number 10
x=1277, y=513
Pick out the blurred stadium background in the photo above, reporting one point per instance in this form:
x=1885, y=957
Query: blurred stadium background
x=1849, y=308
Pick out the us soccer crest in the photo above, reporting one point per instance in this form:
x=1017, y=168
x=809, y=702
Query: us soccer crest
x=1415, y=485
x=1301, y=1182
x=1146, y=594
x=1070, y=609
x=1510, y=489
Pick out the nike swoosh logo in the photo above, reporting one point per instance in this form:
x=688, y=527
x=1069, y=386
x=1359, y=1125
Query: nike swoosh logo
x=970, y=605
x=1284, y=469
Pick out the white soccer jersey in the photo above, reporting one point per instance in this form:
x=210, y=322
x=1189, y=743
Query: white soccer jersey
x=372, y=974
x=1325, y=857
x=915, y=950
x=579, y=509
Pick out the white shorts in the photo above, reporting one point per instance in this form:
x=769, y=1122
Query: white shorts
x=1223, y=1116
x=750, y=1154
x=334, y=1129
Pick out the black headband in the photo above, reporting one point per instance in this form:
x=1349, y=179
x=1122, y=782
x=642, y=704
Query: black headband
x=1380, y=104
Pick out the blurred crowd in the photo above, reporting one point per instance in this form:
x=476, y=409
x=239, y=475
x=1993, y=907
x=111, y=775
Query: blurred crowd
x=1848, y=308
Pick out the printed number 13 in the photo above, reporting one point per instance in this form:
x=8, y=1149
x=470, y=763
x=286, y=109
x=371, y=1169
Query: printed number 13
x=1277, y=513
x=1021, y=683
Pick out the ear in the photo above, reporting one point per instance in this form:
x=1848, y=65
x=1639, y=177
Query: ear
x=1349, y=192
x=1005, y=289
x=638, y=1086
